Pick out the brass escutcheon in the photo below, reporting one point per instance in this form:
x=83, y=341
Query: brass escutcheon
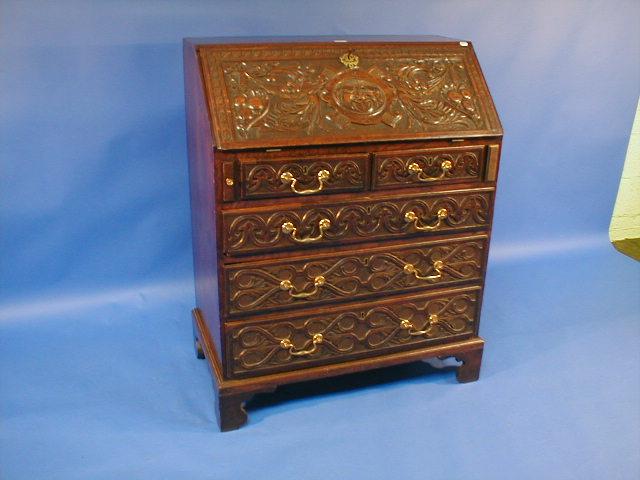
x=349, y=60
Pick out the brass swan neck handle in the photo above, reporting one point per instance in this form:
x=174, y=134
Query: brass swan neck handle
x=432, y=321
x=438, y=265
x=290, y=229
x=415, y=170
x=412, y=217
x=315, y=341
x=318, y=282
x=288, y=178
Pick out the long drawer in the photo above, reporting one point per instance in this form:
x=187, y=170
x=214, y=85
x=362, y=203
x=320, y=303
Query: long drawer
x=298, y=282
x=304, y=340
x=273, y=228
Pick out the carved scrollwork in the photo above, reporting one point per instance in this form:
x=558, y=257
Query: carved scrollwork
x=260, y=346
x=265, y=179
x=395, y=169
x=252, y=232
x=307, y=91
x=259, y=288
x=290, y=96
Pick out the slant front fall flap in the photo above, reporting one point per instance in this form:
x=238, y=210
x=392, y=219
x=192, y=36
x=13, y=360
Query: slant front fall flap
x=281, y=95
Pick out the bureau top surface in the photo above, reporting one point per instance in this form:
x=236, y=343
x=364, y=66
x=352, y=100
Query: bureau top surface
x=278, y=92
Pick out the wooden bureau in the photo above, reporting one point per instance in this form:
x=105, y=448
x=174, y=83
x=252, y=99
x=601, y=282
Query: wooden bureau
x=342, y=195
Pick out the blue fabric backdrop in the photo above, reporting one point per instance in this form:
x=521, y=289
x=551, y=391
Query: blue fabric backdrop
x=96, y=375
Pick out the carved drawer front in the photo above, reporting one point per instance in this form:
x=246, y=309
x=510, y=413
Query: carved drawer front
x=278, y=228
x=428, y=167
x=296, y=176
x=336, y=335
x=302, y=282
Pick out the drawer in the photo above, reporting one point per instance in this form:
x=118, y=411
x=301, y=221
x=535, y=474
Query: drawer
x=429, y=166
x=282, y=227
x=309, y=339
x=302, y=176
x=296, y=282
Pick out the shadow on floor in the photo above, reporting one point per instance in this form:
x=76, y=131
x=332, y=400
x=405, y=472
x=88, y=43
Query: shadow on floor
x=355, y=381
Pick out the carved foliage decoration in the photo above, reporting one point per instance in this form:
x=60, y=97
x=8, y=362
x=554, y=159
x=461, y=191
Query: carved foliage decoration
x=263, y=179
x=292, y=96
x=281, y=93
x=365, y=221
x=258, y=347
x=393, y=169
x=257, y=288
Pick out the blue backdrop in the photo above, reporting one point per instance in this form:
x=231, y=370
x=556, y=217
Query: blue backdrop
x=96, y=375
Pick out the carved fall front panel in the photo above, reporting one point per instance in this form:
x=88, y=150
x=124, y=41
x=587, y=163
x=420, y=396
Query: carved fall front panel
x=260, y=347
x=300, y=95
x=295, y=284
x=363, y=221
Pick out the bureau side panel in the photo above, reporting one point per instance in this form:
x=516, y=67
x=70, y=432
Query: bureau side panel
x=202, y=187
x=491, y=178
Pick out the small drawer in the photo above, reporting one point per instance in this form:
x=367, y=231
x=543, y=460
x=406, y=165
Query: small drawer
x=302, y=176
x=429, y=166
x=298, y=282
x=366, y=330
x=281, y=227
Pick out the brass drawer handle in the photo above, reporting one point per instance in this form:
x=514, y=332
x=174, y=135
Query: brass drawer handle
x=318, y=282
x=287, y=177
x=289, y=229
x=416, y=170
x=407, y=325
x=438, y=265
x=286, y=344
x=412, y=217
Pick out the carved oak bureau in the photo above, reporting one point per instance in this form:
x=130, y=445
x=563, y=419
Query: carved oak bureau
x=342, y=196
